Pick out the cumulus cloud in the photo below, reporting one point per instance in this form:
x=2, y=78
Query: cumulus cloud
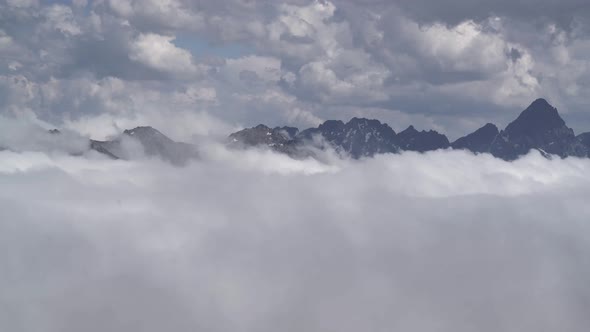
x=452, y=69
x=254, y=241
x=160, y=53
x=61, y=18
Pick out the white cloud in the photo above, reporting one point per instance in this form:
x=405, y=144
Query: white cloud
x=6, y=42
x=297, y=115
x=187, y=126
x=164, y=14
x=26, y=134
x=349, y=78
x=196, y=94
x=271, y=59
x=253, y=241
x=461, y=48
x=19, y=92
x=265, y=69
x=61, y=18
x=158, y=52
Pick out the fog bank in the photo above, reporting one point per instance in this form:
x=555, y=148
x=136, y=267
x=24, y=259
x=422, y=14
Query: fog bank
x=254, y=241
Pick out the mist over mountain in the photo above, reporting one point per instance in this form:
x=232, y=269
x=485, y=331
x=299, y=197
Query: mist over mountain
x=150, y=142
x=294, y=166
x=538, y=127
x=254, y=240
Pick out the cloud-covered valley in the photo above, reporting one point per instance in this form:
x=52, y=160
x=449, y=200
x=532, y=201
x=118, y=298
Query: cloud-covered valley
x=257, y=241
x=230, y=239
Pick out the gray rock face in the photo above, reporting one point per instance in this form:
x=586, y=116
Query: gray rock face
x=153, y=143
x=277, y=139
x=538, y=127
x=259, y=135
x=479, y=141
x=288, y=132
x=359, y=137
x=585, y=139
x=421, y=141
x=105, y=147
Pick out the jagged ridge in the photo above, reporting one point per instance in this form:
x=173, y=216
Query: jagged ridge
x=538, y=127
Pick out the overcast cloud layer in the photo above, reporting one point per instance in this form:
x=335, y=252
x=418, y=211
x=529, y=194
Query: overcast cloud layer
x=254, y=241
x=183, y=65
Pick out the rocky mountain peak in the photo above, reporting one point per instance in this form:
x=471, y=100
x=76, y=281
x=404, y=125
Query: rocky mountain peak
x=409, y=130
x=153, y=142
x=538, y=127
x=287, y=132
x=421, y=141
x=538, y=118
x=331, y=125
x=479, y=141
x=359, y=137
x=280, y=139
x=584, y=138
x=146, y=133
x=262, y=127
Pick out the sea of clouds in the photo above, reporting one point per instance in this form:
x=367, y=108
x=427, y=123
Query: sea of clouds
x=256, y=241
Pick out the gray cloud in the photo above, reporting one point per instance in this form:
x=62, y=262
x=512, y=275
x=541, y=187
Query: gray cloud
x=451, y=66
x=455, y=11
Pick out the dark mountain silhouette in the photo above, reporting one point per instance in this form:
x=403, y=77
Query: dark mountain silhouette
x=277, y=139
x=479, y=141
x=358, y=138
x=421, y=141
x=538, y=127
x=585, y=139
x=287, y=132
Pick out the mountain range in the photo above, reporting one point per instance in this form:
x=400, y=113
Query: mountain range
x=151, y=142
x=538, y=127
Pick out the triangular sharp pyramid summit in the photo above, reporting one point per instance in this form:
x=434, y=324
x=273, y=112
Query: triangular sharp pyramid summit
x=538, y=127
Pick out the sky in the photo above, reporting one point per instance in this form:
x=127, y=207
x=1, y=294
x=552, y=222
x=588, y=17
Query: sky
x=200, y=68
